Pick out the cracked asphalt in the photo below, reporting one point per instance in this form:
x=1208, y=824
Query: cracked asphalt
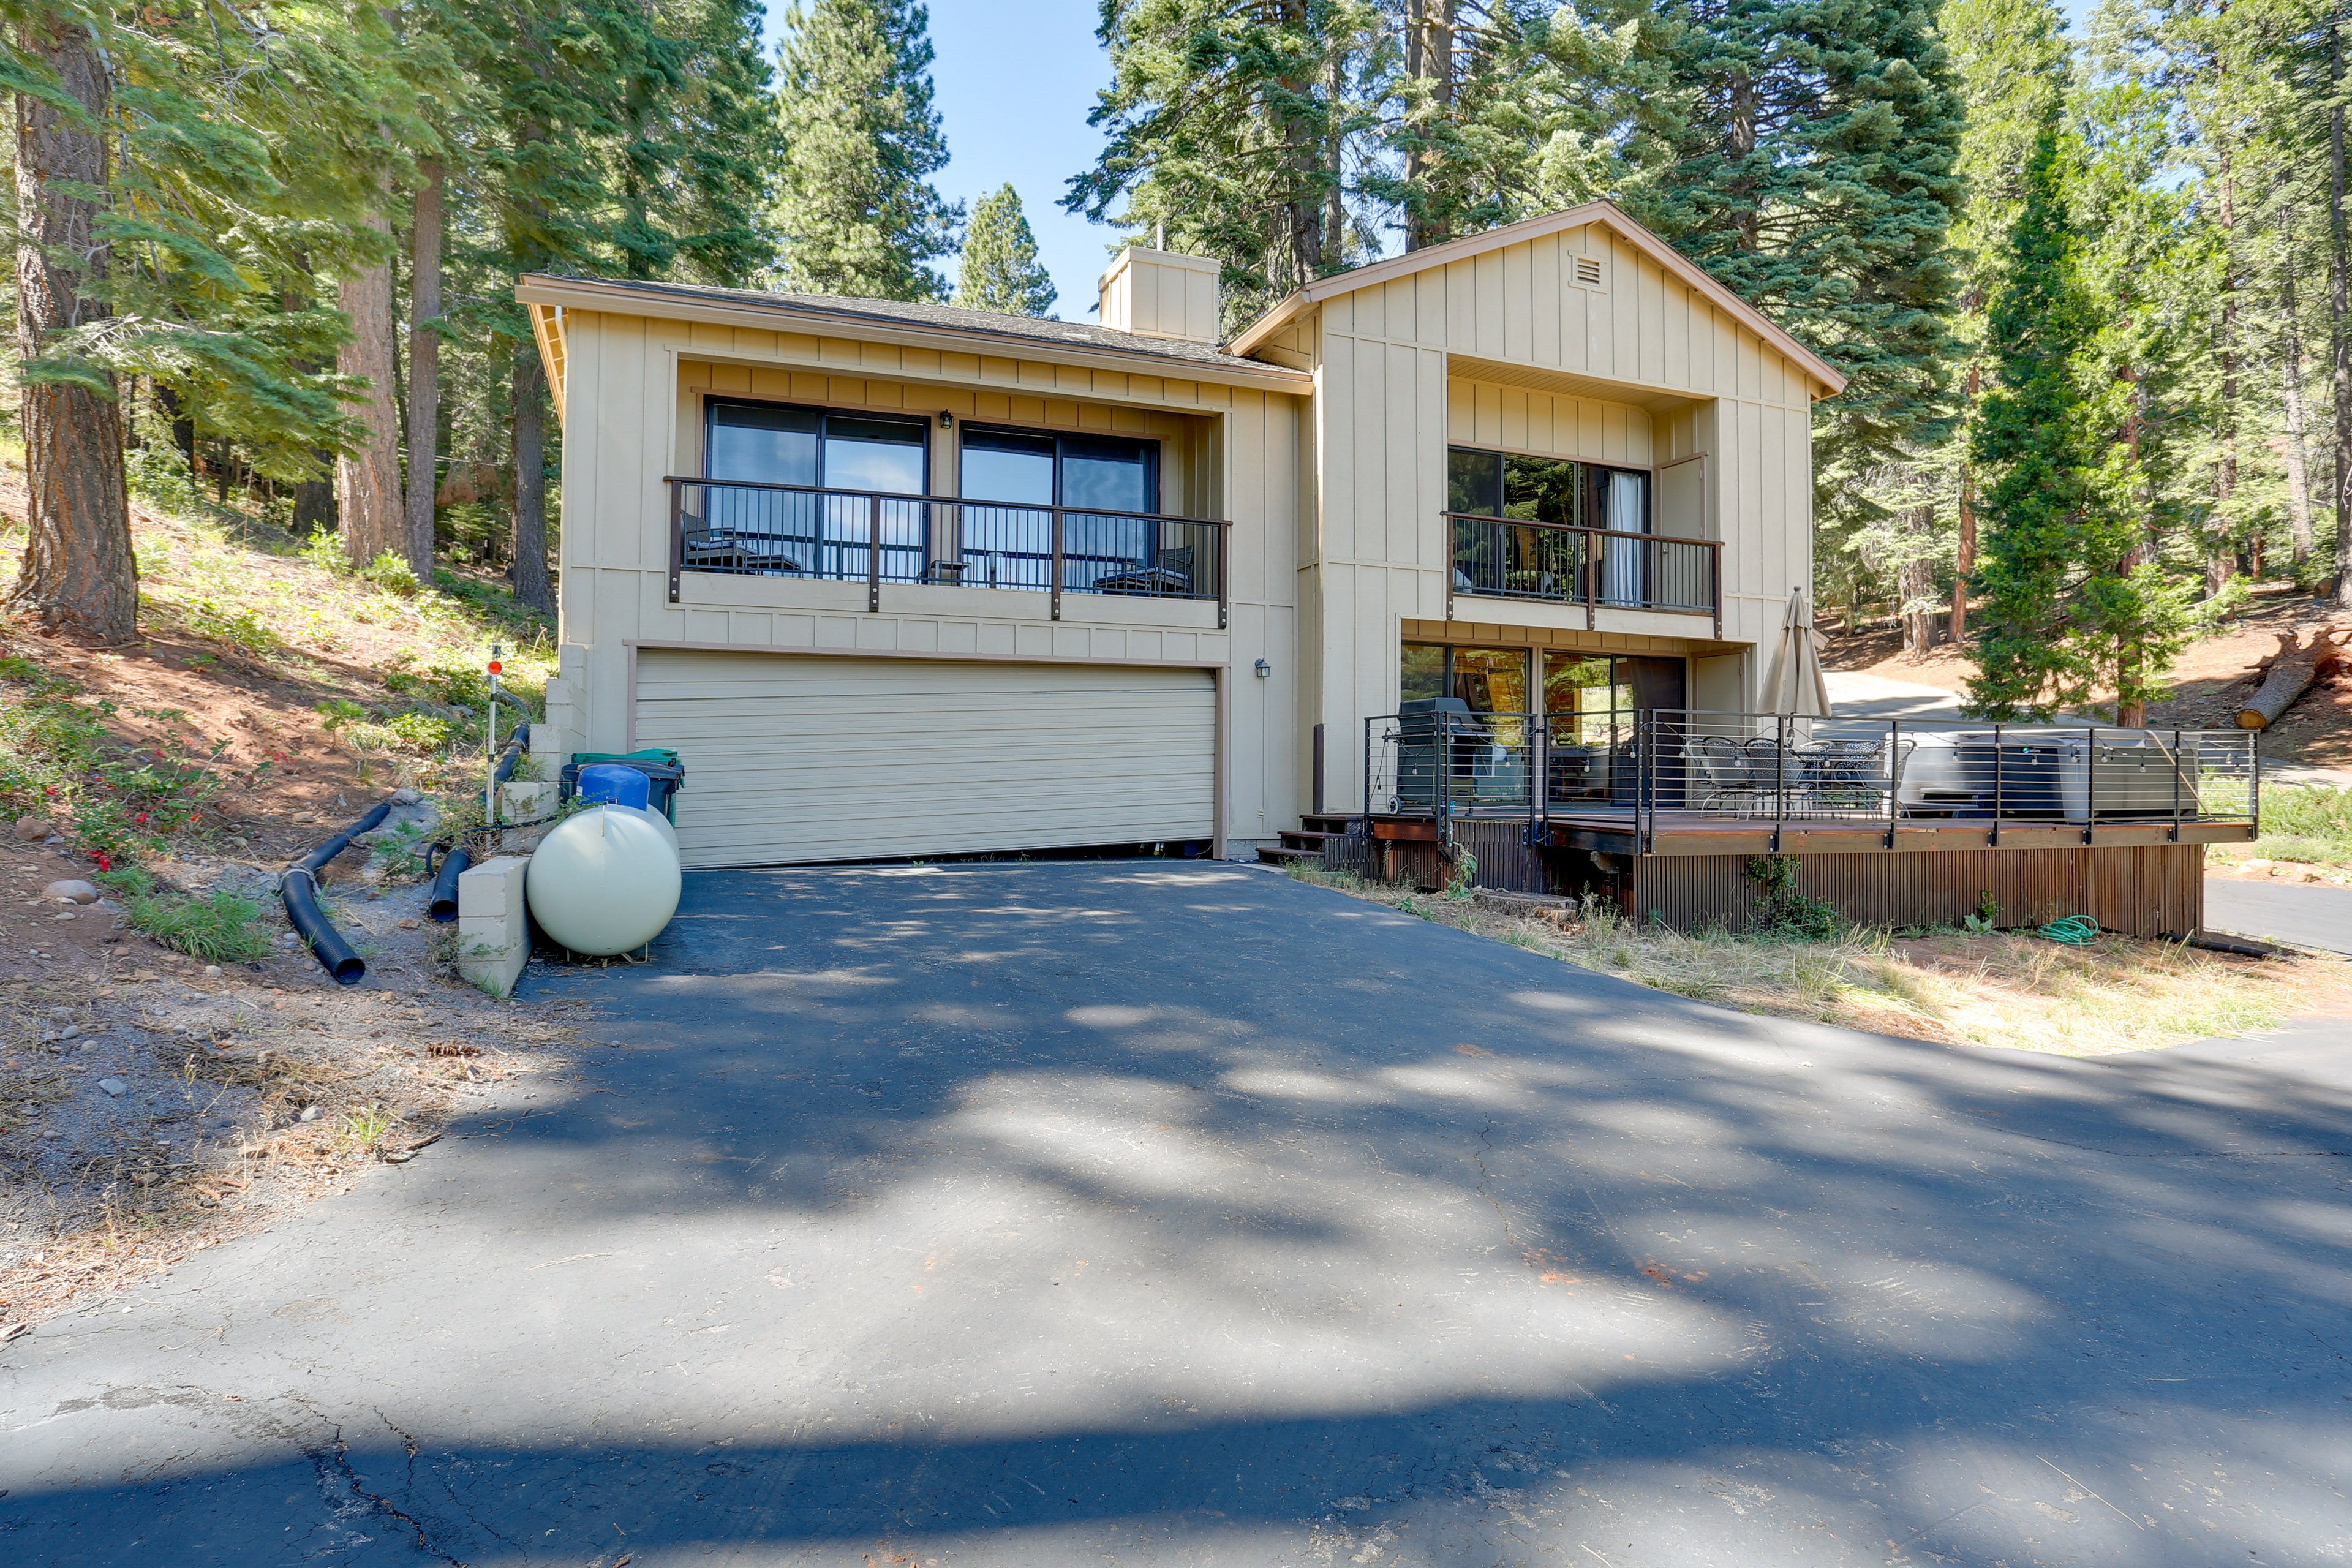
x=1157, y=1213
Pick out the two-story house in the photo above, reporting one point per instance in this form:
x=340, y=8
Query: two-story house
x=902, y=580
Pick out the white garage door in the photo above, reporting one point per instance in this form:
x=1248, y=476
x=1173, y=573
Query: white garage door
x=794, y=759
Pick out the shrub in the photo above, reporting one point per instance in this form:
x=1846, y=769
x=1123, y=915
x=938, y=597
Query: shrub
x=1785, y=912
x=221, y=928
x=393, y=574
x=338, y=712
x=422, y=732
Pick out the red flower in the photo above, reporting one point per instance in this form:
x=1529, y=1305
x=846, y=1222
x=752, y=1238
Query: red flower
x=141, y=819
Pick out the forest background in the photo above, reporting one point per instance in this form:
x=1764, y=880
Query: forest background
x=2091, y=286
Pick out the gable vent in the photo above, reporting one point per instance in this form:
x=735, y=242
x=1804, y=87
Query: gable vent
x=1588, y=272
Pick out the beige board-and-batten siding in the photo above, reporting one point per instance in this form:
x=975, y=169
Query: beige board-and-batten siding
x=793, y=759
x=1572, y=343
x=633, y=385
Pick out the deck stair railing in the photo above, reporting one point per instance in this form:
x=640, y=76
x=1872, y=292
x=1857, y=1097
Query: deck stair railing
x=877, y=537
x=1438, y=759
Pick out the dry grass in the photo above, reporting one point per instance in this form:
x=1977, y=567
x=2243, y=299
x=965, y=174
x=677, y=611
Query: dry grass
x=2000, y=988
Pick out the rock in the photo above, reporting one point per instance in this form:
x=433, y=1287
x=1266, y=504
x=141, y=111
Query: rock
x=33, y=829
x=112, y=1085
x=410, y=924
x=309, y=1113
x=2258, y=867
x=212, y=971
x=405, y=796
x=72, y=889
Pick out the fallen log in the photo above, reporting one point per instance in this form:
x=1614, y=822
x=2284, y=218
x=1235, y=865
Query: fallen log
x=2291, y=671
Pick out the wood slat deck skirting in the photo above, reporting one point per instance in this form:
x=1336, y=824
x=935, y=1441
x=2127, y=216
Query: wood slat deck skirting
x=2132, y=878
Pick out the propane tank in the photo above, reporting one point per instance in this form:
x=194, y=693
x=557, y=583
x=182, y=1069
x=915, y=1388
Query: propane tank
x=604, y=882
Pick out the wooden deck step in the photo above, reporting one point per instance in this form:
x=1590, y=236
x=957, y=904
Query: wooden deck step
x=1309, y=836
x=1273, y=854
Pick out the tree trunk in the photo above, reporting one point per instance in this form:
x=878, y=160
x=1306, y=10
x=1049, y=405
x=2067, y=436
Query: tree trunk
x=530, y=482
x=2298, y=465
x=1914, y=585
x=2221, y=563
x=78, y=576
x=1964, y=558
x=2339, y=314
x=423, y=366
x=2292, y=673
x=367, y=482
x=184, y=428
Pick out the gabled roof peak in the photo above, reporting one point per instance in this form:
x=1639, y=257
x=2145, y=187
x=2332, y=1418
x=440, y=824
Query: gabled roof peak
x=1607, y=215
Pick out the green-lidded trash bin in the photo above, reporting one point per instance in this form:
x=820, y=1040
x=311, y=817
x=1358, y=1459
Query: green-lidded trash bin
x=665, y=776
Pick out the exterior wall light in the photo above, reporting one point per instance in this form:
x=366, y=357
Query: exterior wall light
x=947, y=420
x=1263, y=669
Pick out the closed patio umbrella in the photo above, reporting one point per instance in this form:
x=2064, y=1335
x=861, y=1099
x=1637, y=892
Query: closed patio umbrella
x=1794, y=685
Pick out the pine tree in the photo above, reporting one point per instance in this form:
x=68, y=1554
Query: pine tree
x=856, y=205
x=1230, y=130
x=1000, y=269
x=1802, y=153
x=2011, y=58
x=2072, y=603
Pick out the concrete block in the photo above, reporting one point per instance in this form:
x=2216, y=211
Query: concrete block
x=524, y=799
x=494, y=924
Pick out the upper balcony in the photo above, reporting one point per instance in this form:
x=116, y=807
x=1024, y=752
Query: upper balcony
x=741, y=529
x=1510, y=558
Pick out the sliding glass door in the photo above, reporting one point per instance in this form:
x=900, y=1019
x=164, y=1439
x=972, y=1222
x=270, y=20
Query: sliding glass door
x=880, y=458
x=1010, y=477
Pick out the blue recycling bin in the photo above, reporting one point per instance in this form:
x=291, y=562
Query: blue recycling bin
x=616, y=784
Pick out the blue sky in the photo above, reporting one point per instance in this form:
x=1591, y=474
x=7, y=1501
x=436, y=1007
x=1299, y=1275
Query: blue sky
x=1015, y=81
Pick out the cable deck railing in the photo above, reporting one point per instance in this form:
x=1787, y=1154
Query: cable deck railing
x=739, y=529
x=1440, y=760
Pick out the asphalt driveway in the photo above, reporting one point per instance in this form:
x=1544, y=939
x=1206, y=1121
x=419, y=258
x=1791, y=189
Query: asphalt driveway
x=1151, y=1213
x=2301, y=914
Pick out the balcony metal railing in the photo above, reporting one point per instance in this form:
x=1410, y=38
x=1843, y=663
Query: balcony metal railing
x=1508, y=558
x=877, y=537
x=1670, y=764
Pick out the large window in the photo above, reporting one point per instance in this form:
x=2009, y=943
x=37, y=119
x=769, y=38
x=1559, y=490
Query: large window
x=1108, y=473
x=772, y=444
x=1547, y=489
x=795, y=533
x=1008, y=477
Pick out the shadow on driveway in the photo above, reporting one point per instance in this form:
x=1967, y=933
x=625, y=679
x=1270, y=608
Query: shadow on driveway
x=1154, y=1212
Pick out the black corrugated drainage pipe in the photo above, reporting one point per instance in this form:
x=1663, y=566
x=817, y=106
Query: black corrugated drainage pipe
x=516, y=742
x=443, y=906
x=298, y=887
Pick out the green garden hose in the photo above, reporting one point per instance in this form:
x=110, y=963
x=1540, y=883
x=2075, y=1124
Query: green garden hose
x=2074, y=931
